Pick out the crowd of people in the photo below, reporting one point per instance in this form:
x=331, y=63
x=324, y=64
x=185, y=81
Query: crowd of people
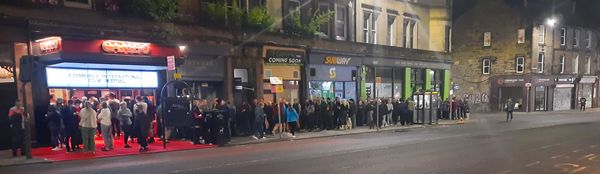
x=74, y=124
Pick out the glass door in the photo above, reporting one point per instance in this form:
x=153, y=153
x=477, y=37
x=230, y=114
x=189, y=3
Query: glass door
x=540, y=98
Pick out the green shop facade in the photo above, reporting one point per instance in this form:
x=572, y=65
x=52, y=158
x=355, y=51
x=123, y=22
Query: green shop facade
x=334, y=74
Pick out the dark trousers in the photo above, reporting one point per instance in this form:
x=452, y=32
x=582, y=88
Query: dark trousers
x=143, y=141
x=509, y=115
x=17, y=141
x=259, y=130
x=395, y=118
x=70, y=134
x=293, y=127
x=582, y=107
x=116, y=127
x=55, y=136
x=126, y=133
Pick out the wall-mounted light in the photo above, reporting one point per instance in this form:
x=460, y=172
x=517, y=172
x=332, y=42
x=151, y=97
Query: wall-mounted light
x=551, y=21
x=182, y=47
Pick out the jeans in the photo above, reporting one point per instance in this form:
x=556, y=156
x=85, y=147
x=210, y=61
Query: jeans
x=107, y=136
x=509, y=115
x=17, y=141
x=54, y=136
x=89, y=145
x=259, y=131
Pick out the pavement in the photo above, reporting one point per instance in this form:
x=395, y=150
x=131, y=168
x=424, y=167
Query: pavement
x=552, y=142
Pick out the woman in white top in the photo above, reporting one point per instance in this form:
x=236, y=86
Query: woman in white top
x=105, y=126
x=88, y=125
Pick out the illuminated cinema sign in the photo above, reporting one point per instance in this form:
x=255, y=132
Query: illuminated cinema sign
x=49, y=45
x=124, y=47
x=92, y=78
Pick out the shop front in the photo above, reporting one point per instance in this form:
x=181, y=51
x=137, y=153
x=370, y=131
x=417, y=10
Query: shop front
x=513, y=88
x=333, y=75
x=282, y=73
x=563, y=93
x=204, y=70
x=74, y=69
x=586, y=87
x=541, y=91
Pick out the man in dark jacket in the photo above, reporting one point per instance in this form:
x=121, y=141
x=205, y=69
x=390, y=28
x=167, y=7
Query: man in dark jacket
x=395, y=112
x=509, y=108
x=70, y=125
x=353, y=112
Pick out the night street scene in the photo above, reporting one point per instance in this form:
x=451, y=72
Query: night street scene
x=299, y=86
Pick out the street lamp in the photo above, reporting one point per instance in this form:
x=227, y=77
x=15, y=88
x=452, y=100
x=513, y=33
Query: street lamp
x=551, y=21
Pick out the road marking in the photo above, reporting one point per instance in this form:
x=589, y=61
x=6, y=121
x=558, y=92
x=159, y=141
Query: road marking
x=593, y=146
x=569, y=167
x=576, y=150
x=532, y=164
x=557, y=156
x=586, y=156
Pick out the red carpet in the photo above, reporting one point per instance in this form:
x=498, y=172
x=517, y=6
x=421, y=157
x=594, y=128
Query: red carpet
x=157, y=146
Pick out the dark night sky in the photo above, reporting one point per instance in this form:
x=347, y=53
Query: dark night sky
x=589, y=10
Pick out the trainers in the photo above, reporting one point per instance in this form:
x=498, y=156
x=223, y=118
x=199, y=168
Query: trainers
x=293, y=136
x=56, y=148
x=264, y=138
x=256, y=138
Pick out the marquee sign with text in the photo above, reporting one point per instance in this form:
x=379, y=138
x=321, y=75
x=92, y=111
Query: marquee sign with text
x=92, y=78
x=284, y=57
x=124, y=47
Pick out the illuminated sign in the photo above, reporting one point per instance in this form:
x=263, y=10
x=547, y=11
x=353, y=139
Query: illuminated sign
x=49, y=44
x=330, y=60
x=89, y=78
x=128, y=48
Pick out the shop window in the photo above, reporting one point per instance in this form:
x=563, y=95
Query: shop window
x=576, y=38
x=563, y=36
x=486, y=66
x=398, y=82
x=540, y=62
x=562, y=64
x=386, y=87
x=391, y=30
x=542, y=34
x=341, y=21
x=370, y=26
x=296, y=74
x=78, y=3
x=520, y=64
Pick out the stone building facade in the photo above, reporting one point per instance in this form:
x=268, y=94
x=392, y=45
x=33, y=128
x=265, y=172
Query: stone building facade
x=509, y=49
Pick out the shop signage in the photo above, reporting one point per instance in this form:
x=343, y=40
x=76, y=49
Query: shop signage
x=284, y=57
x=569, y=80
x=275, y=80
x=6, y=74
x=509, y=81
x=171, y=63
x=177, y=76
x=332, y=60
x=49, y=45
x=565, y=85
x=88, y=78
x=588, y=79
x=278, y=88
x=332, y=73
x=124, y=47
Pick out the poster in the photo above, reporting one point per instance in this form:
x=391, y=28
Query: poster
x=6, y=74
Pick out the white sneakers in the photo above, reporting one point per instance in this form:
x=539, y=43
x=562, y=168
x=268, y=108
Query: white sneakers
x=254, y=136
x=57, y=148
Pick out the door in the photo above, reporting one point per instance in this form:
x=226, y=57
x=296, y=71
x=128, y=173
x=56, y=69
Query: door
x=541, y=94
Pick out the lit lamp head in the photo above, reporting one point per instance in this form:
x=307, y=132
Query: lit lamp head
x=551, y=21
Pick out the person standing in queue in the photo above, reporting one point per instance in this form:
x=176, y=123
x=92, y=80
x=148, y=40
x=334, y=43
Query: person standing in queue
x=70, y=125
x=88, y=125
x=292, y=120
x=259, y=121
x=124, y=116
x=16, y=115
x=142, y=123
x=104, y=117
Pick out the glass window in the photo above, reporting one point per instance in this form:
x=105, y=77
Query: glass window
x=398, y=79
x=576, y=64
x=542, y=34
x=540, y=62
x=409, y=37
x=324, y=28
x=562, y=64
x=340, y=22
x=588, y=66
x=386, y=87
x=520, y=64
x=391, y=30
x=589, y=40
x=366, y=25
x=576, y=38
x=486, y=66
x=563, y=36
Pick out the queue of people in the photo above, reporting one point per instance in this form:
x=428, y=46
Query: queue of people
x=75, y=124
